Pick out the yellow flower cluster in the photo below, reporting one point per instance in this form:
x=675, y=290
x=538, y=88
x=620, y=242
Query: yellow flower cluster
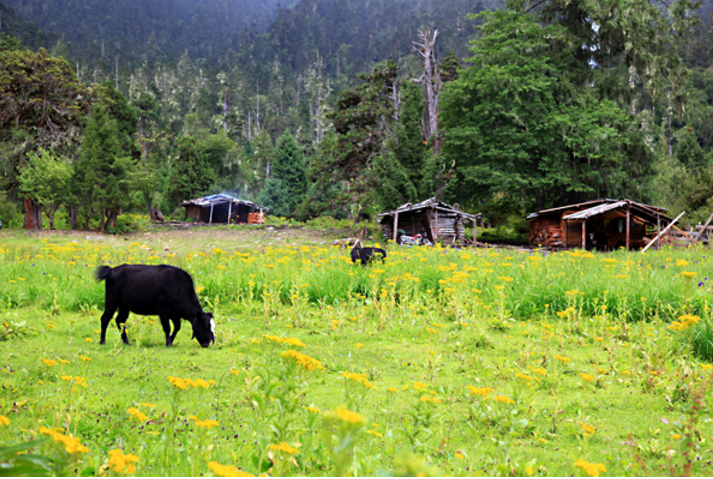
x=49, y=362
x=284, y=447
x=4, y=421
x=208, y=423
x=137, y=414
x=227, y=471
x=588, y=430
x=684, y=322
x=504, y=399
x=360, y=378
x=186, y=383
x=347, y=416
x=302, y=360
x=121, y=462
x=291, y=341
x=78, y=380
x=485, y=392
x=431, y=399
x=71, y=444
x=587, y=377
x=592, y=469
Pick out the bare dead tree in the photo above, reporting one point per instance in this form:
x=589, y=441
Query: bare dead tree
x=430, y=80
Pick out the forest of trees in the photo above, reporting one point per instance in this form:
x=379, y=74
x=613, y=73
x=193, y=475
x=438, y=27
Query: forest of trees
x=345, y=108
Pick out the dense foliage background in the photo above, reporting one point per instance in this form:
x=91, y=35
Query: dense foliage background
x=326, y=107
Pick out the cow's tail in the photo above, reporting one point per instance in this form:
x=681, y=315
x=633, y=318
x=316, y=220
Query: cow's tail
x=103, y=272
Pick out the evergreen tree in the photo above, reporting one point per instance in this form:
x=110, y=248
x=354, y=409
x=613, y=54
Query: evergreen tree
x=192, y=175
x=289, y=169
x=102, y=180
x=400, y=169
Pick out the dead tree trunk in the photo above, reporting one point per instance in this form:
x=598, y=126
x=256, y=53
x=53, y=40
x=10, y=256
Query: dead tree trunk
x=431, y=81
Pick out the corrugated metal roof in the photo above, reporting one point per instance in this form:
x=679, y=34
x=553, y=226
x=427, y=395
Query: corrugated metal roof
x=594, y=211
x=429, y=203
x=221, y=198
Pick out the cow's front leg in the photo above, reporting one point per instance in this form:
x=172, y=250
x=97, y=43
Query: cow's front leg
x=166, y=325
x=176, y=328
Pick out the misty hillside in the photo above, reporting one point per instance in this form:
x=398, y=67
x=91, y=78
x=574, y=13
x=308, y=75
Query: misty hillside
x=94, y=28
x=349, y=35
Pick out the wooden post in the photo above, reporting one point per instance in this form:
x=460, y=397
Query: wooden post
x=700, y=235
x=435, y=237
x=396, y=226
x=628, y=219
x=584, y=234
x=658, y=230
x=475, y=231
x=566, y=238
x=230, y=210
x=210, y=220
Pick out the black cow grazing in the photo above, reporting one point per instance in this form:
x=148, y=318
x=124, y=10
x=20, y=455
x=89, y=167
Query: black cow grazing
x=366, y=255
x=163, y=291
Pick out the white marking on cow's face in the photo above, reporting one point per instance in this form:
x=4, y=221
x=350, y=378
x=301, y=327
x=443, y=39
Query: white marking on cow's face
x=212, y=326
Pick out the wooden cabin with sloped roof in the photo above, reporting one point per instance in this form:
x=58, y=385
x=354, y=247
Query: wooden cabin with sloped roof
x=439, y=219
x=603, y=224
x=222, y=208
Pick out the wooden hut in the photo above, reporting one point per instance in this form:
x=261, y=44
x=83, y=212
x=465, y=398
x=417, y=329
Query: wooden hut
x=439, y=219
x=603, y=224
x=224, y=209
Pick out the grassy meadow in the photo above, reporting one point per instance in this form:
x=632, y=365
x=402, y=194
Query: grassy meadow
x=436, y=362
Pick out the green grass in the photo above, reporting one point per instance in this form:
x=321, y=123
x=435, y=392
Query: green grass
x=579, y=351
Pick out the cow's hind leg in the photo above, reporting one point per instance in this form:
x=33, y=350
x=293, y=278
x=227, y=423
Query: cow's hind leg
x=109, y=310
x=121, y=323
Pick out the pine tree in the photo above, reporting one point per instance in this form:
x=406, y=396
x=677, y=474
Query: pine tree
x=191, y=176
x=102, y=182
x=288, y=167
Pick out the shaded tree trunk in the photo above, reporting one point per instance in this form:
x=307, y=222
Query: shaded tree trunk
x=33, y=215
x=73, y=217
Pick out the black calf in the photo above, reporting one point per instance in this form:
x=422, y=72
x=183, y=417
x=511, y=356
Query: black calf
x=366, y=255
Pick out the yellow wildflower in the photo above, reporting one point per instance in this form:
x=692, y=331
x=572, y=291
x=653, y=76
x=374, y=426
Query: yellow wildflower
x=4, y=421
x=71, y=444
x=592, y=469
x=348, y=416
x=137, y=414
x=587, y=377
x=302, y=360
x=120, y=462
x=504, y=399
x=485, y=392
x=588, y=430
x=375, y=433
x=284, y=447
x=227, y=471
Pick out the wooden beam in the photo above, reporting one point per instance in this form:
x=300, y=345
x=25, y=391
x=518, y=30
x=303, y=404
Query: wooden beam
x=210, y=220
x=628, y=227
x=584, y=234
x=230, y=210
x=662, y=232
x=658, y=229
x=396, y=226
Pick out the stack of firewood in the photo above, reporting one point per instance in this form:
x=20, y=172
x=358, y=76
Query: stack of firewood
x=546, y=232
x=256, y=218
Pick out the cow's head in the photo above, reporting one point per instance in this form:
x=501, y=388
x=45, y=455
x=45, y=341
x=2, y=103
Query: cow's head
x=204, y=329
